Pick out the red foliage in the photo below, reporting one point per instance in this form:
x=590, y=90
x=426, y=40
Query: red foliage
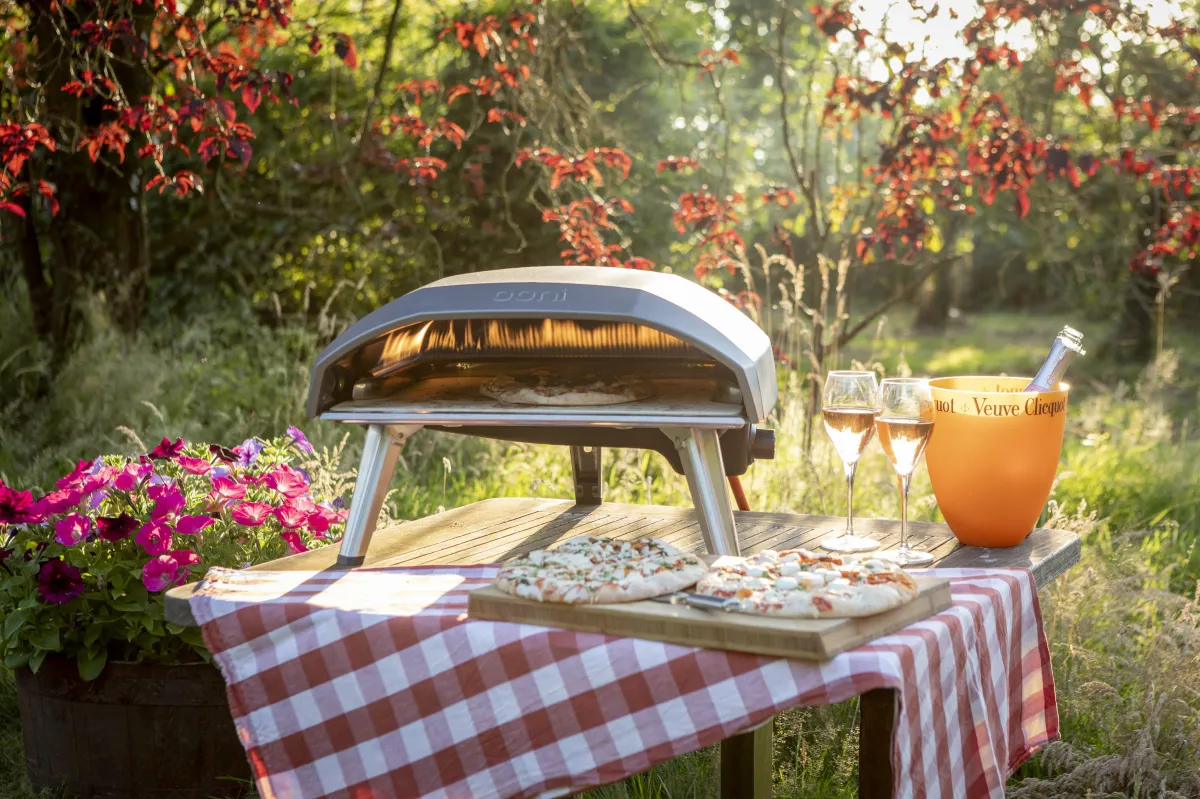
x=580, y=223
x=713, y=218
x=677, y=164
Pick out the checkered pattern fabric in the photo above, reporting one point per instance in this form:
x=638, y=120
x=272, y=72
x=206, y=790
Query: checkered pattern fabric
x=374, y=683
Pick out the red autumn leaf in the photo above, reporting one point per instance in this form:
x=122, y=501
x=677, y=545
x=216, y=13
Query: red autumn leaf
x=344, y=48
x=12, y=208
x=639, y=263
x=47, y=190
x=456, y=92
x=1022, y=204
x=250, y=97
x=314, y=43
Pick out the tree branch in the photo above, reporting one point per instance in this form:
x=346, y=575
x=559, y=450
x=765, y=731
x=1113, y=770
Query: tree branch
x=903, y=293
x=389, y=42
x=781, y=79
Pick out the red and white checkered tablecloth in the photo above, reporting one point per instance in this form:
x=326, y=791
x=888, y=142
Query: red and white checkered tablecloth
x=374, y=683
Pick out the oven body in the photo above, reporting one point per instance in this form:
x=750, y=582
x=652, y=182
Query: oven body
x=421, y=361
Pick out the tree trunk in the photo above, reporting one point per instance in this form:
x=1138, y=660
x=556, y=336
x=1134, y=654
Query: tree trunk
x=1133, y=337
x=933, y=304
x=96, y=246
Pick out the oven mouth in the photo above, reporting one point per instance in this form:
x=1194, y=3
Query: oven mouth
x=479, y=341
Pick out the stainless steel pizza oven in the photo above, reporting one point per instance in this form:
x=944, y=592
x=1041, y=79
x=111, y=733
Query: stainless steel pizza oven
x=421, y=360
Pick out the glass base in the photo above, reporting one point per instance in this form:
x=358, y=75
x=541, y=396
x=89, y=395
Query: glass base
x=904, y=556
x=849, y=543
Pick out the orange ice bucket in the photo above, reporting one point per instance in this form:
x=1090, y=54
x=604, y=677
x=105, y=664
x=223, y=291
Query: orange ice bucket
x=993, y=455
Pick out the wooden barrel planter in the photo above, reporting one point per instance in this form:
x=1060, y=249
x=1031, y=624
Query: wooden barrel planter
x=138, y=731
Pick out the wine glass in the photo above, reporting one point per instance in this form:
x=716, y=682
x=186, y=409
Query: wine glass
x=848, y=408
x=905, y=423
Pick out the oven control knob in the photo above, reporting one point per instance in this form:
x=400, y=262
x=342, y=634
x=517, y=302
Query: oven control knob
x=762, y=443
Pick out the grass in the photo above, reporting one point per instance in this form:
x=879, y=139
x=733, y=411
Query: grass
x=1123, y=624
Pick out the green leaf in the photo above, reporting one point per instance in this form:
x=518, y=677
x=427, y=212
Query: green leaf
x=91, y=663
x=28, y=603
x=14, y=621
x=93, y=634
x=35, y=660
x=15, y=660
x=46, y=638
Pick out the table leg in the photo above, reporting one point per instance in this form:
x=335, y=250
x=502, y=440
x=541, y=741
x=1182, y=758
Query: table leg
x=877, y=720
x=746, y=768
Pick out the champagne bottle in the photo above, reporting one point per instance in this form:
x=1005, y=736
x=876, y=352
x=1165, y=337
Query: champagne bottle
x=1065, y=347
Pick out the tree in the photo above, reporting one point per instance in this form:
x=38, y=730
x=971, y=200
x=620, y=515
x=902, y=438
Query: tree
x=805, y=132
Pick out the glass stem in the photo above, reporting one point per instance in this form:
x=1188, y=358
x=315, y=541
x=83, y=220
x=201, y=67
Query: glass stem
x=851, y=468
x=905, y=479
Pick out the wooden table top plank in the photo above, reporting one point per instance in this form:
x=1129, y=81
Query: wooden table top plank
x=497, y=529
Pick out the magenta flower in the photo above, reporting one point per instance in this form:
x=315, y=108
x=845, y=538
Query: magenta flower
x=294, y=542
x=226, y=489
x=317, y=523
x=59, y=582
x=58, y=501
x=186, y=559
x=98, y=479
x=247, y=452
x=17, y=507
x=287, y=481
x=76, y=477
x=190, y=525
x=300, y=440
x=70, y=530
x=166, y=450
x=128, y=478
x=290, y=516
x=194, y=465
x=115, y=528
x=160, y=572
x=169, y=501
x=154, y=537
x=251, y=514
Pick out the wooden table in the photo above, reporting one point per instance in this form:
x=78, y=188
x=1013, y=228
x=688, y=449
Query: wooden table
x=497, y=529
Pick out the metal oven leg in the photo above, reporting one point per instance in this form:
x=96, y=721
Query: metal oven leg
x=585, y=463
x=380, y=452
x=701, y=454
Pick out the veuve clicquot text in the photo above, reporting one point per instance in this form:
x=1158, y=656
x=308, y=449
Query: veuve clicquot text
x=850, y=429
x=903, y=440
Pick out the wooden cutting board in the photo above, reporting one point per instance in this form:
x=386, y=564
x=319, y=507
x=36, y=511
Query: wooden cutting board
x=807, y=639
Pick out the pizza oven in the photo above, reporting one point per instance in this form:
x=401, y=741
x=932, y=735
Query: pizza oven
x=422, y=360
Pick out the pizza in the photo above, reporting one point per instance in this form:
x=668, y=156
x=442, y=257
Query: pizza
x=589, y=570
x=803, y=584
x=547, y=389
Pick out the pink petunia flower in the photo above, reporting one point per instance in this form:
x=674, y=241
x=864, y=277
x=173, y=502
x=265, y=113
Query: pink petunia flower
x=294, y=542
x=72, y=529
x=186, y=559
x=169, y=501
x=190, y=525
x=194, y=465
x=99, y=479
x=287, y=481
x=59, y=582
x=226, y=489
x=133, y=473
x=115, y=528
x=58, y=501
x=166, y=450
x=290, y=516
x=160, y=572
x=17, y=507
x=73, y=480
x=155, y=537
x=251, y=514
x=317, y=524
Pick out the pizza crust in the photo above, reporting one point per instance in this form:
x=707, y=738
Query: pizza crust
x=590, y=570
x=550, y=390
x=802, y=584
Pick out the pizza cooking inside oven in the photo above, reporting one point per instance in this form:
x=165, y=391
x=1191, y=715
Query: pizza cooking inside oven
x=565, y=390
x=803, y=584
x=594, y=570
